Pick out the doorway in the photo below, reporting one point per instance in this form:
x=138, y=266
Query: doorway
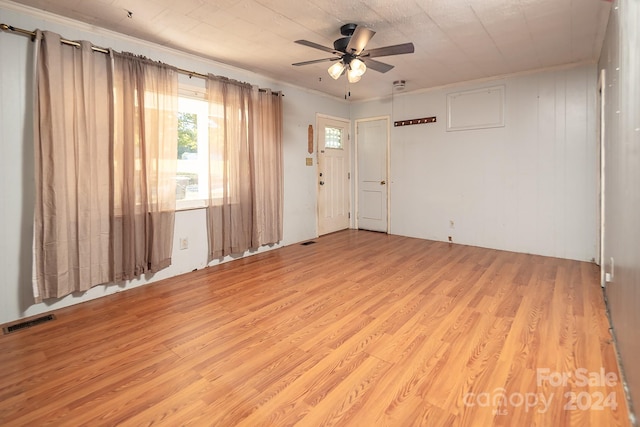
x=601, y=190
x=334, y=199
x=372, y=153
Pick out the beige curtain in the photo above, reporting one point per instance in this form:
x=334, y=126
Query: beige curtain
x=245, y=167
x=105, y=162
x=71, y=169
x=145, y=103
x=267, y=167
x=230, y=210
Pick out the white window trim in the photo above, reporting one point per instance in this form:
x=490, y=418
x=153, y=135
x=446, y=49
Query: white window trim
x=198, y=93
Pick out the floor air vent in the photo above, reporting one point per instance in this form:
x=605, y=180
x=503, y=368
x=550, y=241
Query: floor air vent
x=28, y=324
x=310, y=242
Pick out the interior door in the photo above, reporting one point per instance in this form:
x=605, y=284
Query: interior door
x=372, y=145
x=333, y=175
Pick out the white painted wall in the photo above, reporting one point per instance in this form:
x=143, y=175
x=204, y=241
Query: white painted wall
x=530, y=186
x=16, y=160
x=620, y=58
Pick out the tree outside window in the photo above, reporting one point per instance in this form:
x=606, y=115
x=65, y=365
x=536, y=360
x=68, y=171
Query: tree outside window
x=187, y=135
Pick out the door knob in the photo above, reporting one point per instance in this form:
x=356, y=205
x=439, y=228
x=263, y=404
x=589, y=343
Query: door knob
x=383, y=182
x=321, y=182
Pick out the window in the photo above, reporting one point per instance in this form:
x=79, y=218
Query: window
x=333, y=138
x=192, y=168
x=192, y=174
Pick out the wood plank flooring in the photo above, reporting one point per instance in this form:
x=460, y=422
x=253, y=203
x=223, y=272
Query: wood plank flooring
x=360, y=329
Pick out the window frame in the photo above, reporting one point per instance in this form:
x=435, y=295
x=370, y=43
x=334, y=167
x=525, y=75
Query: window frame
x=198, y=94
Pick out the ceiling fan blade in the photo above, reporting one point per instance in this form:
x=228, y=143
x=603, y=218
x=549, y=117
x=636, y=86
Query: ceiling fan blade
x=317, y=46
x=359, y=40
x=315, y=61
x=397, y=49
x=378, y=66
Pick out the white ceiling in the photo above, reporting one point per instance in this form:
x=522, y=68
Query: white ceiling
x=455, y=40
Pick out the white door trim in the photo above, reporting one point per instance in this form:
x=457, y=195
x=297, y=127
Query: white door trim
x=356, y=176
x=316, y=149
x=601, y=141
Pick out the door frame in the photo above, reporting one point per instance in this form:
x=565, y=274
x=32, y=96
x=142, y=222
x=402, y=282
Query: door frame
x=388, y=171
x=316, y=143
x=602, y=189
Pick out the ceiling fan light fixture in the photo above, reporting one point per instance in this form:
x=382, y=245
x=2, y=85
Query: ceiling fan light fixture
x=357, y=67
x=350, y=49
x=352, y=76
x=336, y=70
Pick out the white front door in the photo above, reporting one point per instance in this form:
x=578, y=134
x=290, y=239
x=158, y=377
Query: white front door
x=333, y=175
x=372, y=144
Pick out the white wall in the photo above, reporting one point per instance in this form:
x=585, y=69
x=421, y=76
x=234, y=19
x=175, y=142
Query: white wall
x=530, y=186
x=16, y=160
x=620, y=58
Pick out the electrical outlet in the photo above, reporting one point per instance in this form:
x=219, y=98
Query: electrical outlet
x=184, y=243
x=452, y=224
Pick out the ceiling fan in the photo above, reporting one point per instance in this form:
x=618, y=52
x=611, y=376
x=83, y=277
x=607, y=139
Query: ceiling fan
x=351, y=54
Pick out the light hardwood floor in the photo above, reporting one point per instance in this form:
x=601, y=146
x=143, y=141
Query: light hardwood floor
x=360, y=329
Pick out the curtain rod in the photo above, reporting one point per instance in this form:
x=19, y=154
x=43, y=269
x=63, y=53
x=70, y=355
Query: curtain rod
x=32, y=34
